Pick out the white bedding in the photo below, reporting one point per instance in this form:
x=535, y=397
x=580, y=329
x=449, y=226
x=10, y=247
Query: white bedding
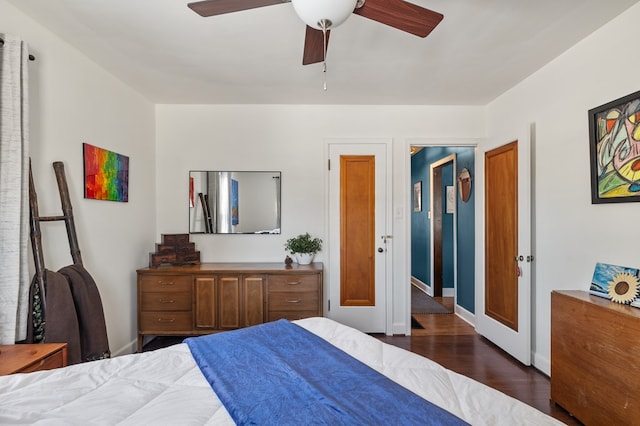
x=166, y=387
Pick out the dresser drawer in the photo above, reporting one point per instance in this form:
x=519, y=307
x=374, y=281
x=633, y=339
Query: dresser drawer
x=166, y=321
x=292, y=301
x=169, y=283
x=292, y=283
x=291, y=315
x=166, y=301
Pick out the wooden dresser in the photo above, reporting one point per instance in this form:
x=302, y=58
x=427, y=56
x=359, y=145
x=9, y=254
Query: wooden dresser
x=209, y=297
x=27, y=358
x=595, y=358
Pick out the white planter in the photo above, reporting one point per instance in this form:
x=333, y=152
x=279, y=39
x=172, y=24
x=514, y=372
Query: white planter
x=304, y=258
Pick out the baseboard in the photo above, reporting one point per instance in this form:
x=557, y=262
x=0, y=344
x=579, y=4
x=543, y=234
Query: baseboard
x=465, y=315
x=399, y=329
x=446, y=291
x=542, y=363
x=422, y=286
x=127, y=349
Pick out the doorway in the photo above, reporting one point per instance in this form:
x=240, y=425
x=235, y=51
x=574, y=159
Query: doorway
x=456, y=243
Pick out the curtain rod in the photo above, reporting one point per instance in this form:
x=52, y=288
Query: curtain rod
x=31, y=57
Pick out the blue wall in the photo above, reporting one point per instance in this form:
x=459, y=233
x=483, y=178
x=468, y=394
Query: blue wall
x=421, y=230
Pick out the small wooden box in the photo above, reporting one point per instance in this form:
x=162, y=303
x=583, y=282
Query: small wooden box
x=175, y=249
x=175, y=239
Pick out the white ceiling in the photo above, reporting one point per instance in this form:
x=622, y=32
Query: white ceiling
x=172, y=55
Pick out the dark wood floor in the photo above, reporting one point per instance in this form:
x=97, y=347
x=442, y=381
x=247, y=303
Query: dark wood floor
x=453, y=343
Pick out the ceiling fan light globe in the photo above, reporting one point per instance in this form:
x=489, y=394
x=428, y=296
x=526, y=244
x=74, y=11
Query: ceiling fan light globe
x=314, y=12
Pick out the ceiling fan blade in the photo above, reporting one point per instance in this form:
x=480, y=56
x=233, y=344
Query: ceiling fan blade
x=313, y=46
x=402, y=15
x=220, y=7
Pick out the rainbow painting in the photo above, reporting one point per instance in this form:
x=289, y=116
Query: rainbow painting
x=106, y=174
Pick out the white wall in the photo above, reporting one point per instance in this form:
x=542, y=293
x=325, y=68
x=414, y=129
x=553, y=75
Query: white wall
x=571, y=233
x=74, y=101
x=292, y=139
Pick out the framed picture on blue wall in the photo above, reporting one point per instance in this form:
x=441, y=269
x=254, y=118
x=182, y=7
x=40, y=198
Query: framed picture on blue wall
x=417, y=196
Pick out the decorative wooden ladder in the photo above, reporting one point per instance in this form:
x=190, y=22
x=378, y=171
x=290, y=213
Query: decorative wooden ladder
x=35, y=219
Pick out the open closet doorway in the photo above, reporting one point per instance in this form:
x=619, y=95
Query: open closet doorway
x=443, y=224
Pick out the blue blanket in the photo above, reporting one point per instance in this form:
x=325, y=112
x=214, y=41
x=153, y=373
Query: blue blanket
x=278, y=373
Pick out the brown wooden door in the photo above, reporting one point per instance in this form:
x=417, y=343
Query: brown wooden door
x=358, y=242
x=357, y=230
x=503, y=296
x=436, y=212
x=501, y=234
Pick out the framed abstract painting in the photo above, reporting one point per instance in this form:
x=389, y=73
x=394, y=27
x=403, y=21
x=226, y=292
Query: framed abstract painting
x=106, y=174
x=614, y=136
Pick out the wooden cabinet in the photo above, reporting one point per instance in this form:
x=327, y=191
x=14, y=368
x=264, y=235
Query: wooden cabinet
x=211, y=297
x=594, y=358
x=27, y=358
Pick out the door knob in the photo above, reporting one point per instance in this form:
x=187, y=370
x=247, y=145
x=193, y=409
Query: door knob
x=380, y=249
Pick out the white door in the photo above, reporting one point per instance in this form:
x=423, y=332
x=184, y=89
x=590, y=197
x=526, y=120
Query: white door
x=358, y=242
x=513, y=335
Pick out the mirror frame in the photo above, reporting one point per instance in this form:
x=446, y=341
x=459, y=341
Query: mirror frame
x=217, y=198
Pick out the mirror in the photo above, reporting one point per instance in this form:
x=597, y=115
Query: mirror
x=225, y=202
x=464, y=185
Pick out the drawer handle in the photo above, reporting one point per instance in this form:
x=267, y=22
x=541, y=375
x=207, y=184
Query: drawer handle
x=166, y=319
x=294, y=282
x=294, y=300
x=166, y=282
x=166, y=301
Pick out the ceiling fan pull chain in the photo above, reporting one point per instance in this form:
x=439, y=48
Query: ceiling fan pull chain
x=324, y=23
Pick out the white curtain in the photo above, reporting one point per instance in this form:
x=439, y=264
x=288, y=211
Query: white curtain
x=14, y=201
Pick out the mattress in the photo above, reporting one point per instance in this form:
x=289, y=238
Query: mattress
x=166, y=387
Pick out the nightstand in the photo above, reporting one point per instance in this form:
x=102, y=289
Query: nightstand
x=26, y=358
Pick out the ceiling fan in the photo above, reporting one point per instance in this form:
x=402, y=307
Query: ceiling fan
x=323, y=15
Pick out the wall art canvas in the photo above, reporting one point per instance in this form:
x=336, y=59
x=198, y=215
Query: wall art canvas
x=106, y=174
x=235, y=219
x=614, y=136
x=617, y=283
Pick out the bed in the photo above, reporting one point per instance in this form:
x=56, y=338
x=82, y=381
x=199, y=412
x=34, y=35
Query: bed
x=166, y=386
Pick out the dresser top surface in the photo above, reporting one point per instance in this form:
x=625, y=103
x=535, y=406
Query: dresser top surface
x=238, y=267
x=585, y=296
x=15, y=357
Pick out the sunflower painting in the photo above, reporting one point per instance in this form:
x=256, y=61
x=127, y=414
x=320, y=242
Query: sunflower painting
x=617, y=283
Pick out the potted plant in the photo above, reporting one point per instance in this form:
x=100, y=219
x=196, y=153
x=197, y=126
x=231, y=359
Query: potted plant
x=303, y=247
